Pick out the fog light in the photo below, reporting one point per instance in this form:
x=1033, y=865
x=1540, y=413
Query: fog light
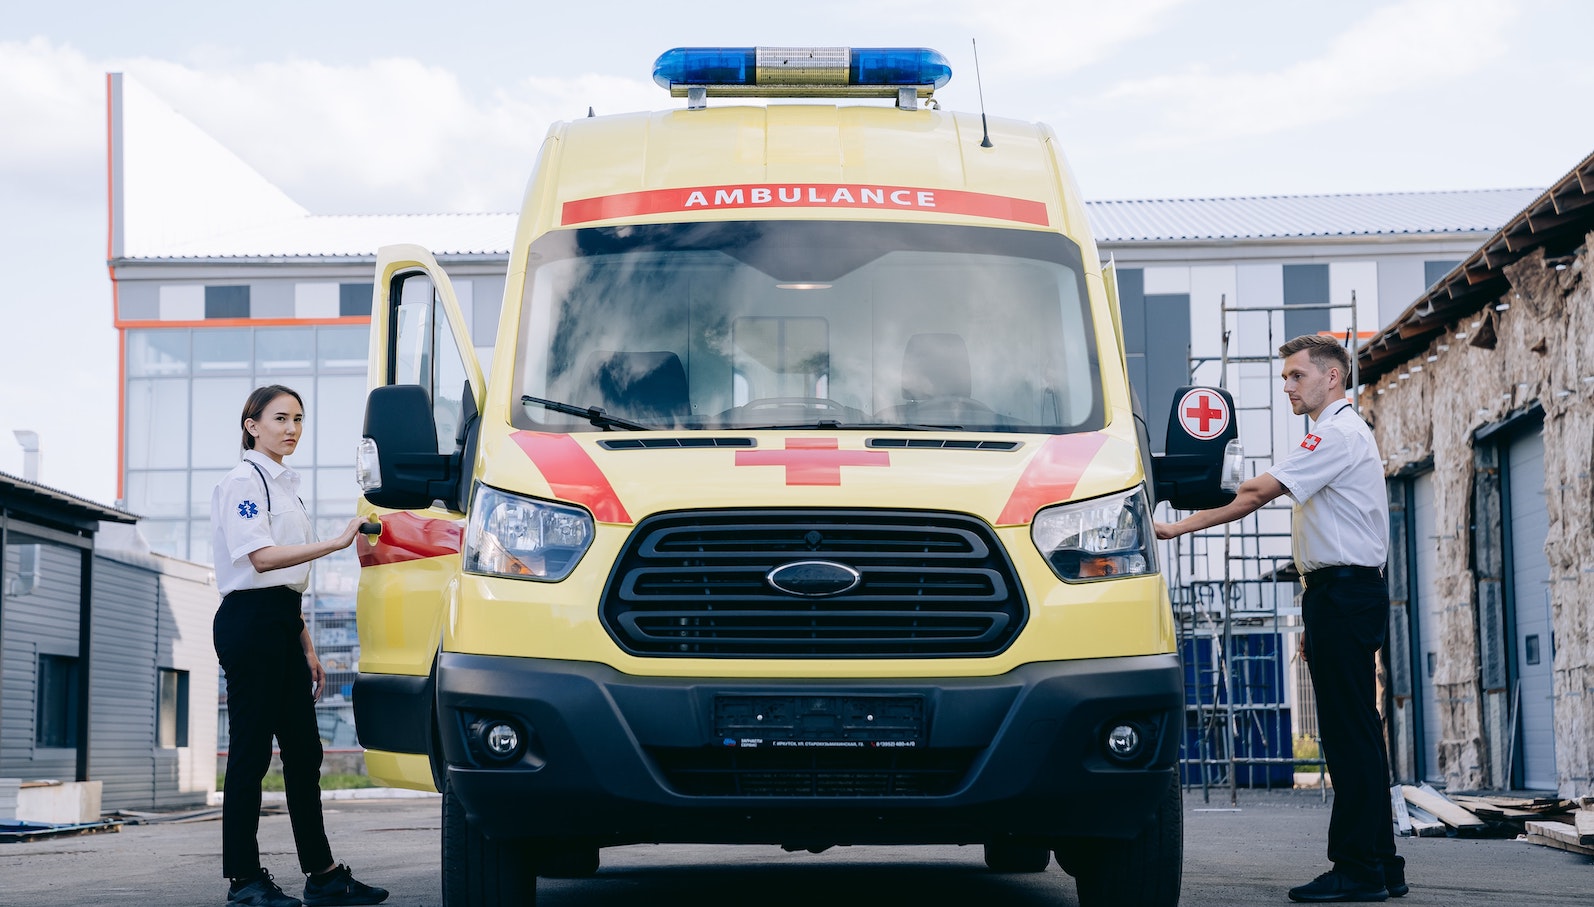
x=500, y=740
x=1123, y=741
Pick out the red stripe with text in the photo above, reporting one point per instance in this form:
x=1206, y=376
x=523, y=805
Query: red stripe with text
x=804, y=195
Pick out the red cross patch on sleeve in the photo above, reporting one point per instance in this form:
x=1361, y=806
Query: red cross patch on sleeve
x=1310, y=442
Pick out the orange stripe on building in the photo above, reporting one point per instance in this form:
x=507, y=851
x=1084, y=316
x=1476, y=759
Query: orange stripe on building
x=1050, y=478
x=804, y=195
x=572, y=475
x=408, y=537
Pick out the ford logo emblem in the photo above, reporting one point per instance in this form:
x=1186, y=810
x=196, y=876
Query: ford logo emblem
x=813, y=579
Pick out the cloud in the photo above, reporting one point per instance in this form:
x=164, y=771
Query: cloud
x=1044, y=38
x=389, y=135
x=1408, y=46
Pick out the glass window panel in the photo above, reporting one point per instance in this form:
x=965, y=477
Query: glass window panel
x=283, y=351
x=218, y=405
x=412, y=339
x=221, y=351
x=201, y=541
x=201, y=483
x=57, y=716
x=448, y=384
x=344, y=348
x=157, y=353
x=157, y=494
x=166, y=536
x=157, y=423
x=338, y=573
x=339, y=417
x=335, y=492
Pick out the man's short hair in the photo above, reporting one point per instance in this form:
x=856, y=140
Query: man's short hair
x=1325, y=352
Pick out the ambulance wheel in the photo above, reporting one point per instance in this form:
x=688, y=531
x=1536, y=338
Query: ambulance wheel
x=1007, y=856
x=479, y=871
x=1143, y=871
x=573, y=861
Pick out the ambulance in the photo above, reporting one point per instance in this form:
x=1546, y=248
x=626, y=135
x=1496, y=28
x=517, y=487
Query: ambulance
x=805, y=502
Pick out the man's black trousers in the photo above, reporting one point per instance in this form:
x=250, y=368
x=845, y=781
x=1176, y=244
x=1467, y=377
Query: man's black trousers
x=268, y=695
x=1347, y=619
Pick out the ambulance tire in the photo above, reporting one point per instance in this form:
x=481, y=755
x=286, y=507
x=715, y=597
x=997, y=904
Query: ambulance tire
x=1007, y=856
x=1143, y=871
x=478, y=871
x=576, y=861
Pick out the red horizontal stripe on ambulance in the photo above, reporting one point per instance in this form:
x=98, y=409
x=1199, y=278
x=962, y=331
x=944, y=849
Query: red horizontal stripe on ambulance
x=804, y=195
x=1050, y=477
x=572, y=475
x=408, y=537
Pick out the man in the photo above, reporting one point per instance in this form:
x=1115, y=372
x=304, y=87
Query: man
x=1340, y=539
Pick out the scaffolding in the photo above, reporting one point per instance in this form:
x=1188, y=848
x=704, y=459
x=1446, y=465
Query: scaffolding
x=1234, y=592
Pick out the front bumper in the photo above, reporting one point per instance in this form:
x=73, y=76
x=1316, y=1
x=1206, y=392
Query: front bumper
x=613, y=758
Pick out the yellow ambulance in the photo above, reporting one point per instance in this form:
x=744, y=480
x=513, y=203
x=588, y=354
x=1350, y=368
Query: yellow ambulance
x=805, y=503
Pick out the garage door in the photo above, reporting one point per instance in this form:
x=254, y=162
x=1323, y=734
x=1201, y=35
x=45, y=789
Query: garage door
x=1426, y=632
x=1532, y=645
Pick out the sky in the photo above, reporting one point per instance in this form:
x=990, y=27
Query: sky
x=355, y=107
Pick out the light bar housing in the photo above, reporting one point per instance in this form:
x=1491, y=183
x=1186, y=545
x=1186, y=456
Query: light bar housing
x=801, y=72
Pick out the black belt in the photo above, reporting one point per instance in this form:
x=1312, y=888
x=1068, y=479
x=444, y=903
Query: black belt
x=1324, y=574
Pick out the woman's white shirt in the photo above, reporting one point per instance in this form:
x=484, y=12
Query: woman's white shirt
x=241, y=523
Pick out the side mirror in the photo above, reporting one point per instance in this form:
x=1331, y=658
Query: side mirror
x=399, y=466
x=1201, y=468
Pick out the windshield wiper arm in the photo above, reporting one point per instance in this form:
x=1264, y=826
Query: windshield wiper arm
x=593, y=414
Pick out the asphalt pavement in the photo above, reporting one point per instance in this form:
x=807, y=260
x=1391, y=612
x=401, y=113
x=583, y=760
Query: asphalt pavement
x=1247, y=855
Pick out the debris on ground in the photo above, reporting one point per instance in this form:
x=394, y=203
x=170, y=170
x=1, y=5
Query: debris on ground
x=1563, y=823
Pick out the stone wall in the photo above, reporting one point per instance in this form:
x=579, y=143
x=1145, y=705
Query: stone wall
x=1532, y=347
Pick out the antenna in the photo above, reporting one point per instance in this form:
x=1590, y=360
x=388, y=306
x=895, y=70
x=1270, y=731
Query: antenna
x=985, y=141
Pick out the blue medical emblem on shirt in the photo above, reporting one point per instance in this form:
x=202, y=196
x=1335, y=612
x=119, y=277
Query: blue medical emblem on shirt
x=248, y=510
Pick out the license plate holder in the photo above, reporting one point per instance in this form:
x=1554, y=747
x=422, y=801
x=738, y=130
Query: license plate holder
x=825, y=721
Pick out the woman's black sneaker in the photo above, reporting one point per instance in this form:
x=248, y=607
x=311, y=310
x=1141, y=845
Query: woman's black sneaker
x=259, y=891
x=339, y=888
x=1336, y=886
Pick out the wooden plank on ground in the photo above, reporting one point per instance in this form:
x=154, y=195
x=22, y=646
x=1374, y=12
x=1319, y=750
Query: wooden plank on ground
x=1558, y=835
x=1423, y=823
x=1447, y=812
x=1583, y=821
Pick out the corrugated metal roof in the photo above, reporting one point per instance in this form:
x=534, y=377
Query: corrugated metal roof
x=1126, y=221
x=18, y=490
x=353, y=236
x=1305, y=216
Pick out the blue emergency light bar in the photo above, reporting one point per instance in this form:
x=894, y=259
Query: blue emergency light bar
x=801, y=72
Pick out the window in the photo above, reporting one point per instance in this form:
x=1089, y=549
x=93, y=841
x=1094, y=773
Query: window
x=227, y=302
x=173, y=715
x=57, y=701
x=354, y=300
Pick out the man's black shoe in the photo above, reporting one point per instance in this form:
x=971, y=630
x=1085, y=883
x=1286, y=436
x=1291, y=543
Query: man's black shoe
x=339, y=888
x=1395, y=880
x=1337, y=886
x=259, y=891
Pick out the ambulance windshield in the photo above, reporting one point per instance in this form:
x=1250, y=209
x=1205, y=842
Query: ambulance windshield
x=805, y=323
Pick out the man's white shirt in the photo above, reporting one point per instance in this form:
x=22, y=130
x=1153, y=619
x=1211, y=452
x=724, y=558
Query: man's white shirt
x=1336, y=478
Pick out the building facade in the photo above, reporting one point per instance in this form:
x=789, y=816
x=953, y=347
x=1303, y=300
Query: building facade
x=1481, y=395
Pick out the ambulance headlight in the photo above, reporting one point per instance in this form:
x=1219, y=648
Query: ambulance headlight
x=523, y=538
x=1097, y=539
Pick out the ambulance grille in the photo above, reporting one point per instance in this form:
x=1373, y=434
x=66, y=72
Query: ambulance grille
x=931, y=585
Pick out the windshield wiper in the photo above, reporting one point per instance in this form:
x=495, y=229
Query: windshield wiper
x=593, y=414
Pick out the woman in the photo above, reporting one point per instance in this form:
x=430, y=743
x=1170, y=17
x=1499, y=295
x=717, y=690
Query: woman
x=263, y=548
